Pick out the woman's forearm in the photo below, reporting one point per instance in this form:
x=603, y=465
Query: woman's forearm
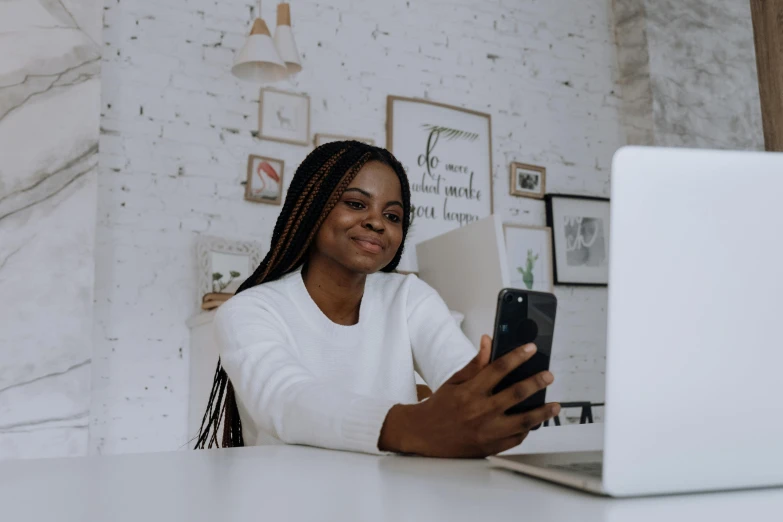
x=398, y=433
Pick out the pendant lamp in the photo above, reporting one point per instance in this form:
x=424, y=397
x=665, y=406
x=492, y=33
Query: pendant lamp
x=259, y=61
x=284, y=40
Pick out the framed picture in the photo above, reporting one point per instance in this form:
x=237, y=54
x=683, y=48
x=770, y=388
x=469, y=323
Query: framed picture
x=224, y=264
x=529, y=252
x=264, y=180
x=320, y=139
x=284, y=117
x=580, y=236
x=447, y=153
x=527, y=180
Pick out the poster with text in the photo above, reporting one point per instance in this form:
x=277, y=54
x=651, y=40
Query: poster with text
x=447, y=154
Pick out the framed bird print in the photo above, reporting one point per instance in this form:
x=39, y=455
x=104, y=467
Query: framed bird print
x=284, y=117
x=264, y=180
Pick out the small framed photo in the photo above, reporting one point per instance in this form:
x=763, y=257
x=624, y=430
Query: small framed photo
x=580, y=236
x=321, y=138
x=224, y=264
x=529, y=252
x=284, y=117
x=527, y=180
x=264, y=180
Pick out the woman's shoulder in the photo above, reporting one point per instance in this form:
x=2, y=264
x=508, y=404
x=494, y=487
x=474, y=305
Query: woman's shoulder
x=388, y=280
x=413, y=293
x=400, y=285
x=266, y=295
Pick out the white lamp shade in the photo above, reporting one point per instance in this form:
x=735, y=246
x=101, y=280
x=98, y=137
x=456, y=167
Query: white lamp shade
x=286, y=46
x=258, y=61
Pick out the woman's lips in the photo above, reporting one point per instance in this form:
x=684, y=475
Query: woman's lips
x=369, y=246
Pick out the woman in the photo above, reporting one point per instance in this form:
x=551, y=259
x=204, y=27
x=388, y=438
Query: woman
x=320, y=344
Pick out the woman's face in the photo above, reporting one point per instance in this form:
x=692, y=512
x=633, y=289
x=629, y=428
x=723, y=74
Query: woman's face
x=364, y=230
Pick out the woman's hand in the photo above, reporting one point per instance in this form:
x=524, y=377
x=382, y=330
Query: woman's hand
x=463, y=418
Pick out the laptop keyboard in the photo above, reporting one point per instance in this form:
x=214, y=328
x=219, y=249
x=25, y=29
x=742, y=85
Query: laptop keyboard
x=593, y=469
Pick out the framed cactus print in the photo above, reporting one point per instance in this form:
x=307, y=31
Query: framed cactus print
x=529, y=252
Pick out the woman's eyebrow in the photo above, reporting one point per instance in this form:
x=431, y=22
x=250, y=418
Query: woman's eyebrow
x=368, y=195
x=360, y=191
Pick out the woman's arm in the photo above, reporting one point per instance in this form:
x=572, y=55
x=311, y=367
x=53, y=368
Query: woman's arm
x=463, y=418
x=283, y=397
x=440, y=348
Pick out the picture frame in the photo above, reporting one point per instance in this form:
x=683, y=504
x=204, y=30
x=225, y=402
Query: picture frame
x=530, y=258
x=321, y=138
x=284, y=117
x=447, y=154
x=233, y=260
x=264, y=183
x=527, y=181
x=580, y=239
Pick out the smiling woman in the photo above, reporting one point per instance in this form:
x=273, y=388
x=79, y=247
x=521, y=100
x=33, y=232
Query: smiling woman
x=320, y=345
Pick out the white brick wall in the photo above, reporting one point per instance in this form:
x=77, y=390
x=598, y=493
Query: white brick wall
x=177, y=132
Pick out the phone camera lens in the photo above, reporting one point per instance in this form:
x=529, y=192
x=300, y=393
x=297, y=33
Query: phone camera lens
x=508, y=298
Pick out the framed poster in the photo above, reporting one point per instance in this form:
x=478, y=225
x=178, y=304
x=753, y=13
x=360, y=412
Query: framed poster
x=264, y=180
x=284, y=117
x=580, y=237
x=527, y=180
x=321, y=138
x=529, y=252
x=447, y=153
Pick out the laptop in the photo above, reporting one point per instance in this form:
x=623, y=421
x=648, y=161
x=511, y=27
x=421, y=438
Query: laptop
x=694, y=358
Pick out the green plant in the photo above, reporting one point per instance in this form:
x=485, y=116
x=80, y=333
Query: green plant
x=527, y=273
x=217, y=285
x=451, y=134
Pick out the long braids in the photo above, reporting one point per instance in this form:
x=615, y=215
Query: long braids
x=317, y=186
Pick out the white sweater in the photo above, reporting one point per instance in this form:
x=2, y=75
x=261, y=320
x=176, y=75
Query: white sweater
x=299, y=378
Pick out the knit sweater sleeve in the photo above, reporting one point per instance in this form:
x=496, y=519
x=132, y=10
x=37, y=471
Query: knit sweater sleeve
x=283, y=397
x=440, y=348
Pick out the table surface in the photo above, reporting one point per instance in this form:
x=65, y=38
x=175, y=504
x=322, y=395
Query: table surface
x=299, y=483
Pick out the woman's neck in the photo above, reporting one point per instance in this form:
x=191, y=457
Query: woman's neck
x=337, y=292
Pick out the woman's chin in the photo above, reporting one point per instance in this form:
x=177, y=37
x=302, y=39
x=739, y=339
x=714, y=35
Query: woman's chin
x=366, y=265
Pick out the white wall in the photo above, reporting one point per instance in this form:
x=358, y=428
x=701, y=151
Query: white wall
x=49, y=72
x=177, y=132
x=703, y=74
x=688, y=73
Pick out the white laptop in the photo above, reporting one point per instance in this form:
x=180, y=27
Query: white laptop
x=694, y=363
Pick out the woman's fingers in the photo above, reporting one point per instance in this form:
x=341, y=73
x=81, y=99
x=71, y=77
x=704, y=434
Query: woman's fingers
x=507, y=431
x=491, y=375
x=478, y=363
x=520, y=391
x=506, y=444
x=521, y=423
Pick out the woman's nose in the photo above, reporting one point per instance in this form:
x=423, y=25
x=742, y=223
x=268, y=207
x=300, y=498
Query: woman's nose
x=374, y=225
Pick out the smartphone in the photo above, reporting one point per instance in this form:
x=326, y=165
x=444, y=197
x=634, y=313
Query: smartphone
x=523, y=317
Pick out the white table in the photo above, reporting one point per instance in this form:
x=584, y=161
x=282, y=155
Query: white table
x=302, y=484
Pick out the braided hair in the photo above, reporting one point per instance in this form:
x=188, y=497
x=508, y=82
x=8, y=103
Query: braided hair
x=316, y=188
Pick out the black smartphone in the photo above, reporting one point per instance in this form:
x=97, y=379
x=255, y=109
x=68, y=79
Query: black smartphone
x=523, y=317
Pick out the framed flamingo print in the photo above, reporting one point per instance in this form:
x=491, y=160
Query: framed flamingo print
x=264, y=180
